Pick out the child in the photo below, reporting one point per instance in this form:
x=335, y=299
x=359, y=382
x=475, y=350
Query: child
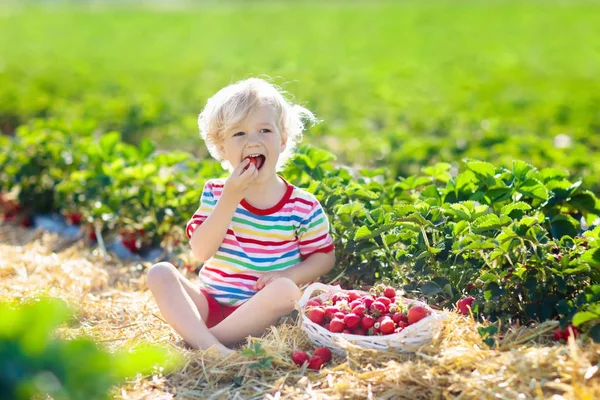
x=258, y=236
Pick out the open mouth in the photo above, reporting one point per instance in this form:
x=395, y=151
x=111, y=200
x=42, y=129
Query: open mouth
x=258, y=160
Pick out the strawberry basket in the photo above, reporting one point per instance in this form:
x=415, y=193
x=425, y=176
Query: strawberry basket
x=408, y=339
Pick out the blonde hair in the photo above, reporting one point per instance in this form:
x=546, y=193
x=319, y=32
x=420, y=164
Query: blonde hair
x=231, y=105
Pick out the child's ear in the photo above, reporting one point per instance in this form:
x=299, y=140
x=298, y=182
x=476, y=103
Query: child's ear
x=283, y=142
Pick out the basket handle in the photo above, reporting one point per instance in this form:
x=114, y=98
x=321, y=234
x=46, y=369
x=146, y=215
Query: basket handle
x=316, y=286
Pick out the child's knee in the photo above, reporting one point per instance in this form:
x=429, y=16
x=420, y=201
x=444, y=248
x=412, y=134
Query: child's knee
x=160, y=273
x=286, y=289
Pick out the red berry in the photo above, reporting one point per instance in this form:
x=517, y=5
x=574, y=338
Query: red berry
x=339, y=297
x=315, y=363
x=317, y=315
x=299, y=357
x=470, y=287
x=463, y=305
x=387, y=326
x=330, y=311
x=378, y=308
x=367, y=322
x=323, y=352
x=389, y=292
x=312, y=303
x=359, y=310
x=385, y=301
x=339, y=315
x=355, y=303
x=352, y=296
x=368, y=301
x=327, y=326
x=402, y=324
x=360, y=331
x=416, y=313
x=352, y=320
x=397, y=317
x=571, y=330
x=558, y=335
x=336, y=325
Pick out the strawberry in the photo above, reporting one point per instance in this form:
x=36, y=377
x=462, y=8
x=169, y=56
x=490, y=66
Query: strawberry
x=339, y=315
x=470, y=287
x=368, y=301
x=317, y=315
x=347, y=331
x=402, y=324
x=389, y=292
x=464, y=305
x=352, y=296
x=416, y=313
x=327, y=326
x=253, y=160
x=385, y=301
x=355, y=303
x=352, y=320
x=312, y=303
x=315, y=363
x=378, y=308
x=397, y=317
x=359, y=310
x=323, y=352
x=299, y=357
x=367, y=322
x=330, y=311
x=558, y=335
x=387, y=326
x=571, y=330
x=336, y=325
x=360, y=331
x=339, y=297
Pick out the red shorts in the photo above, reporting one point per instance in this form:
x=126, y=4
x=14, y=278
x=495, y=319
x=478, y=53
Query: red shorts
x=216, y=312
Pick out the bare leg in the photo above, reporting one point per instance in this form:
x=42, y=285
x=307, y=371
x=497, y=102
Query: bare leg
x=258, y=313
x=183, y=306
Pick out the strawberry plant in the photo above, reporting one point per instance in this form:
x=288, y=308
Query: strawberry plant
x=34, y=363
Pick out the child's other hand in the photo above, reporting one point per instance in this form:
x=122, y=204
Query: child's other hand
x=240, y=179
x=268, y=278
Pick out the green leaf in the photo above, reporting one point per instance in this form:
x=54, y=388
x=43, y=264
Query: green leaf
x=519, y=205
x=108, y=141
x=586, y=201
x=431, y=288
x=362, y=232
x=460, y=227
x=548, y=174
x=592, y=256
x=564, y=225
x=595, y=333
x=521, y=169
x=483, y=170
x=534, y=189
x=489, y=222
x=584, y=316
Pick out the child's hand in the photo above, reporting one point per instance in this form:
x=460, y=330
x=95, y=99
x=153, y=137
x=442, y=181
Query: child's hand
x=240, y=179
x=268, y=278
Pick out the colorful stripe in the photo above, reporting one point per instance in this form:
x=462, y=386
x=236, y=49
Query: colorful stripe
x=256, y=244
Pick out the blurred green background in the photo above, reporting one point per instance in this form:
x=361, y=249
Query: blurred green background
x=397, y=84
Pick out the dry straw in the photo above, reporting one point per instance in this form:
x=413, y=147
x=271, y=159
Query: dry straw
x=115, y=308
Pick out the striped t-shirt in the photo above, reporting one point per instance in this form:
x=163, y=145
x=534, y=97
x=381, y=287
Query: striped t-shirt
x=259, y=241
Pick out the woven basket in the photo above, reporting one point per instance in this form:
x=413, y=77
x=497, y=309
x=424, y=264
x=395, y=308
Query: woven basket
x=409, y=340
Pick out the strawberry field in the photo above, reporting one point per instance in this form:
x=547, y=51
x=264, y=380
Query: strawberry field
x=458, y=160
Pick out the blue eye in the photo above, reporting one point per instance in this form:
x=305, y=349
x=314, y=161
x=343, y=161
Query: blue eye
x=238, y=134
x=265, y=130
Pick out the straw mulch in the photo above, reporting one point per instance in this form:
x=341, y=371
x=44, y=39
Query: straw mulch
x=116, y=309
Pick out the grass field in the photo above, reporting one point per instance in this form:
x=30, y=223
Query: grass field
x=412, y=82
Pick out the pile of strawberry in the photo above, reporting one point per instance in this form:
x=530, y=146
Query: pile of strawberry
x=320, y=356
x=378, y=313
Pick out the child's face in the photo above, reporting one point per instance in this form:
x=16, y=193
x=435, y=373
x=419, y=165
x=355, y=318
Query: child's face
x=257, y=136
